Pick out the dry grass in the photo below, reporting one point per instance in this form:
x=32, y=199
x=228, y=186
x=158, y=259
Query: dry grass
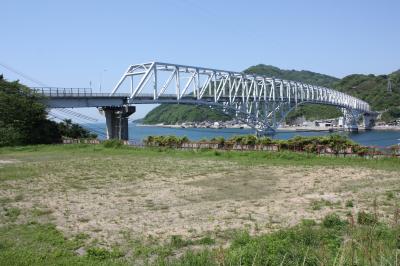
x=160, y=196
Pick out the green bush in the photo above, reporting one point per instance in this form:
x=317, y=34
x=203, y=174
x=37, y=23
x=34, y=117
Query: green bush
x=103, y=254
x=264, y=141
x=349, y=204
x=112, y=143
x=218, y=140
x=308, y=222
x=75, y=131
x=333, y=220
x=335, y=142
x=166, y=141
x=366, y=218
x=207, y=240
x=178, y=242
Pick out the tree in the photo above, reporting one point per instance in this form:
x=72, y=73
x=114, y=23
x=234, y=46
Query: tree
x=23, y=117
x=71, y=130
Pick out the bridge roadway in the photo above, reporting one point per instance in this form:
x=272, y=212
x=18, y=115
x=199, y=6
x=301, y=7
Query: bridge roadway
x=81, y=98
x=261, y=102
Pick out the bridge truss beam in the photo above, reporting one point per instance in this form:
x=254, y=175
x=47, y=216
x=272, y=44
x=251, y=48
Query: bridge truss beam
x=262, y=102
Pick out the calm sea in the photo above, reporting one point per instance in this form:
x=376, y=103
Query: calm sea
x=382, y=138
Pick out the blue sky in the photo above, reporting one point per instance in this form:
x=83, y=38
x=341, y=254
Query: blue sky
x=70, y=43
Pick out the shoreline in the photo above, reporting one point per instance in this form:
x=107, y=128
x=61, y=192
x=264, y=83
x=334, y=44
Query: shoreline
x=292, y=129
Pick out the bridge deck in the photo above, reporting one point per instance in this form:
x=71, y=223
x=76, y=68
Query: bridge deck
x=77, y=99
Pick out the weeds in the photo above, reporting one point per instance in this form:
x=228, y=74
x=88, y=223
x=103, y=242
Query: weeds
x=308, y=243
x=365, y=218
x=12, y=213
x=390, y=195
x=113, y=143
x=317, y=205
x=334, y=241
x=333, y=220
x=102, y=253
x=349, y=204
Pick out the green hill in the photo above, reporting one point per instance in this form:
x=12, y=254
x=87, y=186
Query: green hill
x=303, y=75
x=370, y=88
x=373, y=89
x=310, y=112
x=177, y=113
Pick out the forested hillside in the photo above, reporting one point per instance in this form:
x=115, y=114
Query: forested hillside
x=303, y=75
x=177, y=113
x=310, y=112
x=374, y=90
x=370, y=88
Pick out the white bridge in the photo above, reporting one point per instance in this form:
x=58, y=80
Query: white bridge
x=261, y=102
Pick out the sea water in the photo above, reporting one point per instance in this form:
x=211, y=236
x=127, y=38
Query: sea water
x=380, y=138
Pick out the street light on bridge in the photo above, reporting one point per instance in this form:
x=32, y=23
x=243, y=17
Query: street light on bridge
x=101, y=78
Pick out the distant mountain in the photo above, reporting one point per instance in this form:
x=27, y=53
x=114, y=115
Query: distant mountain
x=309, y=112
x=303, y=75
x=371, y=88
x=376, y=91
x=170, y=114
x=137, y=121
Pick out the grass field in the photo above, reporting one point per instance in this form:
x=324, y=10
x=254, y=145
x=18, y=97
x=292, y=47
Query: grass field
x=91, y=205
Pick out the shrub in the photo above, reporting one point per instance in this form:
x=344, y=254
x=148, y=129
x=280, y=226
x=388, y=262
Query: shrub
x=149, y=140
x=349, y=204
x=12, y=213
x=308, y=222
x=207, y=240
x=184, y=139
x=361, y=151
x=264, y=141
x=390, y=195
x=178, y=242
x=249, y=140
x=166, y=141
x=113, y=143
x=98, y=253
x=218, y=140
x=236, y=139
x=366, y=218
x=102, y=253
x=241, y=238
x=332, y=220
x=336, y=143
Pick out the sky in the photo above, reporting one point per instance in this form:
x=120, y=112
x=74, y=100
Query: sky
x=82, y=43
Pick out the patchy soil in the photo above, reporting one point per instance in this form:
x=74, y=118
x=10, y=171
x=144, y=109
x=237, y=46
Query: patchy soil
x=108, y=198
x=7, y=162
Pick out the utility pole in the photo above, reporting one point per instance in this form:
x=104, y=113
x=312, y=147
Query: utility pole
x=389, y=85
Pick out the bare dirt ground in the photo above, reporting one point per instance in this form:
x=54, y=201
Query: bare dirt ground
x=112, y=198
x=6, y=161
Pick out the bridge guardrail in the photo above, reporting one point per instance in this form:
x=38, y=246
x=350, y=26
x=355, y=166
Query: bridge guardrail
x=51, y=91
x=72, y=92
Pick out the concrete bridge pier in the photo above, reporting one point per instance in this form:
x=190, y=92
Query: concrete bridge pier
x=369, y=120
x=350, y=120
x=117, y=120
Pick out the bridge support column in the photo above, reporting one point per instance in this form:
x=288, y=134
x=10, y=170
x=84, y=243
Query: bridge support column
x=350, y=120
x=369, y=121
x=117, y=120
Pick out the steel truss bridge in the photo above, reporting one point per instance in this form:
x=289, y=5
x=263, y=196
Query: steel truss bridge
x=261, y=102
